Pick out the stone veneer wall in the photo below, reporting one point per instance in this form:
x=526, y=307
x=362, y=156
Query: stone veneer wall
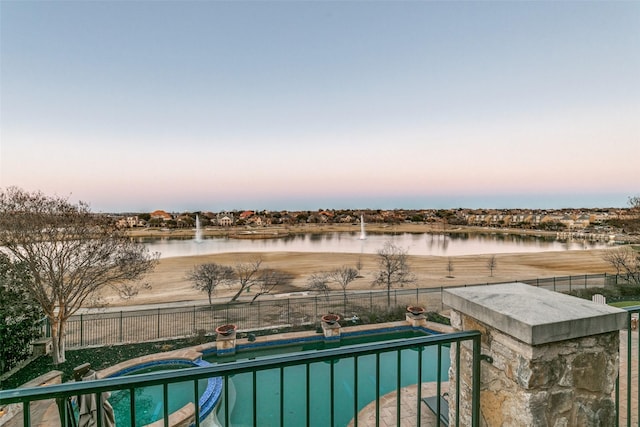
x=552, y=358
x=566, y=383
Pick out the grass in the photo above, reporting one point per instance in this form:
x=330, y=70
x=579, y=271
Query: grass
x=621, y=304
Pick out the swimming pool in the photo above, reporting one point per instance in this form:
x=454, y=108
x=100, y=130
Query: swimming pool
x=149, y=402
x=343, y=385
x=350, y=382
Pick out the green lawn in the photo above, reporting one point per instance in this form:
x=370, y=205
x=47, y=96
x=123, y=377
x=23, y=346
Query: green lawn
x=622, y=304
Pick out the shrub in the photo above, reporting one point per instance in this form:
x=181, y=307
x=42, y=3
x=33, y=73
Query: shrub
x=19, y=314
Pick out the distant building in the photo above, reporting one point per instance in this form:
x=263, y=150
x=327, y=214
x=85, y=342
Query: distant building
x=160, y=214
x=130, y=222
x=224, y=219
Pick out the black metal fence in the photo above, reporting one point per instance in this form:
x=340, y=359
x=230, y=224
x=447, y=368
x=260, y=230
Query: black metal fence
x=118, y=327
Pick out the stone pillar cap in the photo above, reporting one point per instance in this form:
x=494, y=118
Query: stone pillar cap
x=535, y=315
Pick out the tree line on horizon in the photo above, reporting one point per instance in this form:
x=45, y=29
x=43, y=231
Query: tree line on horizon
x=625, y=219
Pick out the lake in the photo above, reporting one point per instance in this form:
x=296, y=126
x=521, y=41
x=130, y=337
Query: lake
x=340, y=242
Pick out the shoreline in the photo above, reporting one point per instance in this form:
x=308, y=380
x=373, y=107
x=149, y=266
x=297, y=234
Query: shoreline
x=283, y=231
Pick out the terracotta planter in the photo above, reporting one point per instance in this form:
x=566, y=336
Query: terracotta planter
x=415, y=310
x=330, y=318
x=226, y=329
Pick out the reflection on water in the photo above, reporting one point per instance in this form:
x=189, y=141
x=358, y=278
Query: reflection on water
x=437, y=244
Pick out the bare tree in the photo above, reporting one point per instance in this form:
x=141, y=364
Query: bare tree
x=394, y=268
x=634, y=210
x=630, y=222
x=492, y=262
x=626, y=261
x=343, y=276
x=71, y=254
x=208, y=277
x=247, y=275
x=319, y=282
x=268, y=280
x=450, y=268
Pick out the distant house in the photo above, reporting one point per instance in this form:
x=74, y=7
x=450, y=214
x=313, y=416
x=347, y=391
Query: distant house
x=519, y=218
x=256, y=220
x=582, y=221
x=347, y=219
x=326, y=216
x=567, y=220
x=246, y=215
x=498, y=219
x=130, y=222
x=160, y=214
x=479, y=219
x=224, y=219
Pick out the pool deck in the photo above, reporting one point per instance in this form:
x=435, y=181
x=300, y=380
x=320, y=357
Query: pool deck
x=408, y=410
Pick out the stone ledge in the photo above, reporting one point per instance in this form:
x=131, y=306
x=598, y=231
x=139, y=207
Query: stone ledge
x=534, y=315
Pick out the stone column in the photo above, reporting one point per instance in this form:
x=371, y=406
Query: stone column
x=331, y=331
x=416, y=320
x=553, y=357
x=226, y=343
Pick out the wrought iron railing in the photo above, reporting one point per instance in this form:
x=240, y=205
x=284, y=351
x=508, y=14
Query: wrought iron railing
x=627, y=391
x=226, y=371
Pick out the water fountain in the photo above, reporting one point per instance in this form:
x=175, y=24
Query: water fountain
x=363, y=235
x=198, y=237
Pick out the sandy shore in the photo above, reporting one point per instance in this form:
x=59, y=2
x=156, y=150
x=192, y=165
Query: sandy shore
x=169, y=283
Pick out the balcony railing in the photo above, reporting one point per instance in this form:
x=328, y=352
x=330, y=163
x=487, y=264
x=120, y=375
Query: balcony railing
x=296, y=362
x=628, y=384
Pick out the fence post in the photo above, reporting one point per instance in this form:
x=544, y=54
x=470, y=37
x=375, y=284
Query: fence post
x=288, y=311
x=554, y=283
x=158, y=314
x=121, y=331
x=81, y=331
x=194, y=318
x=569, y=283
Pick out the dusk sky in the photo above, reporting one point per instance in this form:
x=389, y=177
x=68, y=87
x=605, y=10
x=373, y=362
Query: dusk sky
x=134, y=106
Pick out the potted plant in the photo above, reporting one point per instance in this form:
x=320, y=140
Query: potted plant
x=227, y=329
x=330, y=318
x=415, y=310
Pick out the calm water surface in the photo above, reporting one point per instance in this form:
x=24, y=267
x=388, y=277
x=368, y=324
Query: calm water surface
x=414, y=243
